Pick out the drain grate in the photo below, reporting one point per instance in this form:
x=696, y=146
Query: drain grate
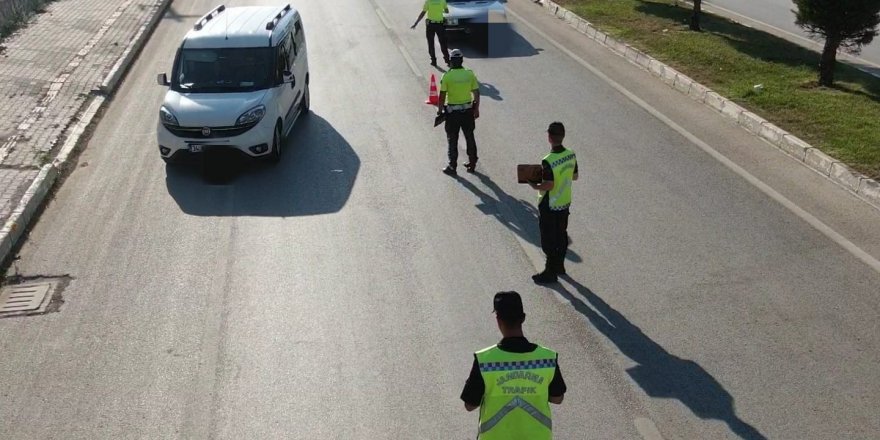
x=25, y=299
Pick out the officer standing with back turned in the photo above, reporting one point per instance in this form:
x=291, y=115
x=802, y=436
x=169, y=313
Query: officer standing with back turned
x=460, y=100
x=435, y=25
x=560, y=169
x=514, y=381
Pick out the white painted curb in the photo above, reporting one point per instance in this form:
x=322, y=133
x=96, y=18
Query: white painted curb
x=866, y=188
x=27, y=206
x=36, y=194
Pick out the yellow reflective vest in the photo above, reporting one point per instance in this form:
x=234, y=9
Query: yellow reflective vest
x=515, y=404
x=435, y=9
x=563, y=165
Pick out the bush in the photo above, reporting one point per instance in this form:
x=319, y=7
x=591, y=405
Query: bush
x=13, y=13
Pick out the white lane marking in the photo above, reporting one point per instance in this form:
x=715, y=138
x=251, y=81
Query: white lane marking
x=400, y=48
x=382, y=18
x=763, y=187
x=647, y=429
x=409, y=60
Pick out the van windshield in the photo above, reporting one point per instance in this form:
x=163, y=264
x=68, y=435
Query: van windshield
x=223, y=70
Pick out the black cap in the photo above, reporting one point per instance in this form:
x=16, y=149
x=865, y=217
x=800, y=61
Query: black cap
x=508, y=306
x=556, y=128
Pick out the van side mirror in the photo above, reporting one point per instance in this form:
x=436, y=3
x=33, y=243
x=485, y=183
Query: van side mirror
x=162, y=79
x=289, y=78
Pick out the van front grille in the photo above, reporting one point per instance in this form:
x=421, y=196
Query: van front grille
x=216, y=132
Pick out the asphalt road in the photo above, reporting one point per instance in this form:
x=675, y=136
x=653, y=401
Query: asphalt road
x=341, y=293
x=778, y=15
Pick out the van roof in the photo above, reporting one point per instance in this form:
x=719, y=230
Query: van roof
x=241, y=26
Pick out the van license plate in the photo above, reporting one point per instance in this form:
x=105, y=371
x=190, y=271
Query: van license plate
x=195, y=148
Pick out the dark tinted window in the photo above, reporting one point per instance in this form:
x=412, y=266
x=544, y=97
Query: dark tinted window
x=299, y=35
x=284, y=60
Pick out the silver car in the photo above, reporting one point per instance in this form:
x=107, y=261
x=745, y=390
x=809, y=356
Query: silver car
x=473, y=17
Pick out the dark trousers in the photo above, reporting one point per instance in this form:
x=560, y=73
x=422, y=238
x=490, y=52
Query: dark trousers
x=463, y=121
x=438, y=29
x=554, y=236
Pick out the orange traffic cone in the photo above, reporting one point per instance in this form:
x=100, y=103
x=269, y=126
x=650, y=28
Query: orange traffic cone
x=433, y=96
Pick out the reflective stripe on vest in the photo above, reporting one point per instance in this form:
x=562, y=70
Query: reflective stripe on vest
x=563, y=166
x=515, y=404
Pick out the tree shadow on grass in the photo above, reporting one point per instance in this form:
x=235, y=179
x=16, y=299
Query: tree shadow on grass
x=767, y=47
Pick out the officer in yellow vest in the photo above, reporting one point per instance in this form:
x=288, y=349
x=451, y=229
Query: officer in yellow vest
x=514, y=381
x=560, y=169
x=460, y=100
x=435, y=25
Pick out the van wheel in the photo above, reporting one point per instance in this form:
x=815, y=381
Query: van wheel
x=275, y=151
x=305, y=101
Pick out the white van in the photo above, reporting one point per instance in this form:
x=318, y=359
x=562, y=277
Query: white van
x=240, y=80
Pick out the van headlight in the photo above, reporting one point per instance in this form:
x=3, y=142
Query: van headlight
x=167, y=117
x=251, y=116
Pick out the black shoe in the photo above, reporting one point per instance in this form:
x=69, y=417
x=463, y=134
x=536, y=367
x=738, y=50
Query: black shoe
x=434, y=63
x=470, y=167
x=450, y=171
x=545, y=277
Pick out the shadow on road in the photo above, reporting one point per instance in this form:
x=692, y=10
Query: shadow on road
x=501, y=41
x=172, y=14
x=523, y=217
x=316, y=175
x=659, y=373
x=489, y=91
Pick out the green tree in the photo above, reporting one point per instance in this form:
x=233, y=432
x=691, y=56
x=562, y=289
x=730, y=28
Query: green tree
x=695, y=16
x=849, y=24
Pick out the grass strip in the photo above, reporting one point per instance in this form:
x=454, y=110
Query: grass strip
x=842, y=121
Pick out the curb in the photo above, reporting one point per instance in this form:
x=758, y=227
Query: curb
x=36, y=194
x=862, y=186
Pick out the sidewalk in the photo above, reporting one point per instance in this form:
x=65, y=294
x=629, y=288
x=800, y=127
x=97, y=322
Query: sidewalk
x=62, y=63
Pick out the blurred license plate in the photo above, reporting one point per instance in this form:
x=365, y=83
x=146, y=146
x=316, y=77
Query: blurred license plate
x=452, y=21
x=195, y=148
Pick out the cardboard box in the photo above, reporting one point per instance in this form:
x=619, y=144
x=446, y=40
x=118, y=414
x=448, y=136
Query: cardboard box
x=528, y=173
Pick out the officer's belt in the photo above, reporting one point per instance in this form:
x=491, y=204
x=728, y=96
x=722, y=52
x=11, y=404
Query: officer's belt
x=460, y=107
x=434, y=22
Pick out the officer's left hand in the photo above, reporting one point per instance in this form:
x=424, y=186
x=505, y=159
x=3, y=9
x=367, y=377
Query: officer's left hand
x=476, y=113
